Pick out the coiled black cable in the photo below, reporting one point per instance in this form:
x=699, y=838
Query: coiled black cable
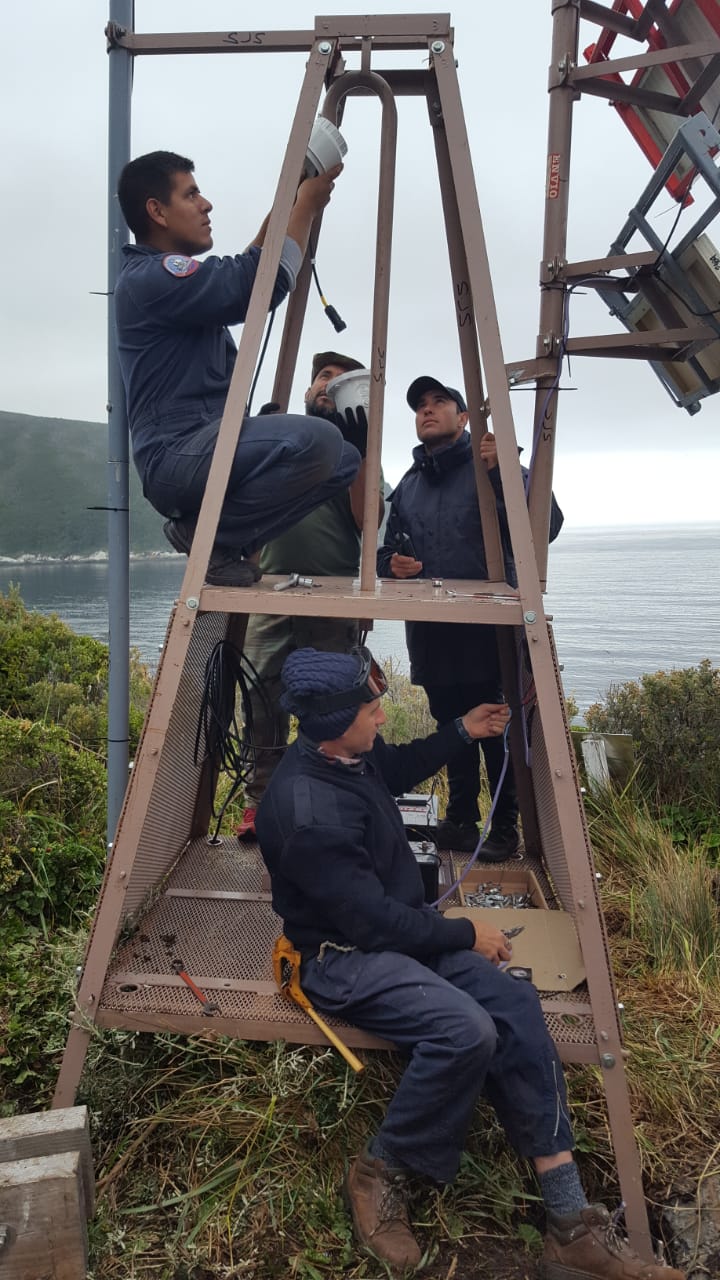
x=219, y=738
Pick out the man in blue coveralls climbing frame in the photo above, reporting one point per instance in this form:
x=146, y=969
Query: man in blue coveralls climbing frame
x=177, y=358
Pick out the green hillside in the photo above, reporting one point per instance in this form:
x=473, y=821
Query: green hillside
x=53, y=471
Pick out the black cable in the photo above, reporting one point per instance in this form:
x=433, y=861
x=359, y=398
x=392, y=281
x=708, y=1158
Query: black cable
x=219, y=737
x=336, y=320
x=260, y=362
x=681, y=205
x=699, y=314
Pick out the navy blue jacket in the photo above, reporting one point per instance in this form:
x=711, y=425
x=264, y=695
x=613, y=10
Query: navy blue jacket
x=176, y=353
x=340, y=864
x=436, y=503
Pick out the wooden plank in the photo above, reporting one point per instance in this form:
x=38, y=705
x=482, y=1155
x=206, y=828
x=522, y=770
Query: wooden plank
x=46, y=1133
x=42, y=1206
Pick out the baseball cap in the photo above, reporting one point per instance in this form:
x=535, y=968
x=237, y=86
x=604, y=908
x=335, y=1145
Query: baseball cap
x=426, y=383
x=333, y=357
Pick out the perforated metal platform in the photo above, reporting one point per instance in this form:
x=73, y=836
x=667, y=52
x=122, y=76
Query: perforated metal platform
x=215, y=917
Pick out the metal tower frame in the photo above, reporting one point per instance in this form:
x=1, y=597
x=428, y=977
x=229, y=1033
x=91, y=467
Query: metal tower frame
x=167, y=890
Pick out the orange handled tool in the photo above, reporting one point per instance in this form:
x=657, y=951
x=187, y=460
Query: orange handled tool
x=208, y=1007
x=286, y=970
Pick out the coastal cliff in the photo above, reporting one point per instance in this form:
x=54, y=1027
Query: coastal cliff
x=53, y=492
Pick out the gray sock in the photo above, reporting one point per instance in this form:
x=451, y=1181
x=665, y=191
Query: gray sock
x=562, y=1190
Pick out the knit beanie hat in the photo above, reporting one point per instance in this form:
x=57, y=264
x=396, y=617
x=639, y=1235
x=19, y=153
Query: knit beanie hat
x=308, y=671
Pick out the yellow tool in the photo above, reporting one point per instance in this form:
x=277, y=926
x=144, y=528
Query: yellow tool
x=286, y=970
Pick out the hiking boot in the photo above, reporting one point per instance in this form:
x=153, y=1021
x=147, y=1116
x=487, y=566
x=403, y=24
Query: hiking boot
x=502, y=842
x=588, y=1245
x=375, y=1194
x=224, y=569
x=462, y=837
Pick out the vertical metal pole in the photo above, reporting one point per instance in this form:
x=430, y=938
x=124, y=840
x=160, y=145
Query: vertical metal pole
x=121, y=13
x=566, y=19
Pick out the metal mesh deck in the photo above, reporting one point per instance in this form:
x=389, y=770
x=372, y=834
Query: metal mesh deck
x=215, y=916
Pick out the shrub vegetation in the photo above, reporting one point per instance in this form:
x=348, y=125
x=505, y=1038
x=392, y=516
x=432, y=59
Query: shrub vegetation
x=674, y=720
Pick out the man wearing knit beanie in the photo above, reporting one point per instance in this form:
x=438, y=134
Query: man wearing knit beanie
x=350, y=894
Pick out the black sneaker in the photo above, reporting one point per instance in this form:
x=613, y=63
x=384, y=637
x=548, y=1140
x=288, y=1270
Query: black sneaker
x=502, y=842
x=224, y=569
x=462, y=837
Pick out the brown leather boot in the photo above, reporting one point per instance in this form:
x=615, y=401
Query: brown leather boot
x=376, y=1197
x=587, y=1245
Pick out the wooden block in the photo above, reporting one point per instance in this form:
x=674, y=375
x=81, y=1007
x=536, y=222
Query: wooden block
x=42, y=1206
x=45, y=1133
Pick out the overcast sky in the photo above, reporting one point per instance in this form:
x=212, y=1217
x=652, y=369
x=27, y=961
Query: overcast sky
x=625, y=454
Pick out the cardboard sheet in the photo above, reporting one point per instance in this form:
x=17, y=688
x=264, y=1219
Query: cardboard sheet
x=548, y=944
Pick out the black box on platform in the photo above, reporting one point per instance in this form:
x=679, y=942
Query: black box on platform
x=428, y=860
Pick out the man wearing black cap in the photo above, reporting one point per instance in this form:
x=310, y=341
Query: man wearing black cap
x=326, y=543
x=434, y=530
x=350, y=894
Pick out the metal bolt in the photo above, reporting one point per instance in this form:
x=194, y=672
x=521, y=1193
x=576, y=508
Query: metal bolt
x=607, y=1060
x=123, y=875
x=530, y=616
x=438, y=46
x=324, y=46
x=558, y=773
x=192, y=602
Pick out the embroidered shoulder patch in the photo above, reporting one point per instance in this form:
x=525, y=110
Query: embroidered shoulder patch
x=178, y=265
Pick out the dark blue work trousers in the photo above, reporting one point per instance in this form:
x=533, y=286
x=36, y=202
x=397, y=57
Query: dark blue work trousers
x=447, y=701
x=284, y=467
x=468, y=1029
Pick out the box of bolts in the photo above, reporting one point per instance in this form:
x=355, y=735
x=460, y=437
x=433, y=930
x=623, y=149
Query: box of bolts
x=501, y=887
x=545, y=947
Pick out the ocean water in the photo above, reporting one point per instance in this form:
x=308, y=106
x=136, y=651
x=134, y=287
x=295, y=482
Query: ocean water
x=624, y=601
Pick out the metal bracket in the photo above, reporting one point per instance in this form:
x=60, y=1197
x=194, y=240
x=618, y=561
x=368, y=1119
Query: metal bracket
x=548, y=344
x=114, y=34
x=552, y=271
x=560, y=72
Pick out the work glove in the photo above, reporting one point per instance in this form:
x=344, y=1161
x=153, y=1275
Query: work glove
x=353, y=425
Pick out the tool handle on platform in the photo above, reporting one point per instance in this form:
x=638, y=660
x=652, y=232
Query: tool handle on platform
x=347, y=1054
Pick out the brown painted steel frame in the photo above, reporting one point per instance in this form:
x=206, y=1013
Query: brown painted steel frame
x=160, y=832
